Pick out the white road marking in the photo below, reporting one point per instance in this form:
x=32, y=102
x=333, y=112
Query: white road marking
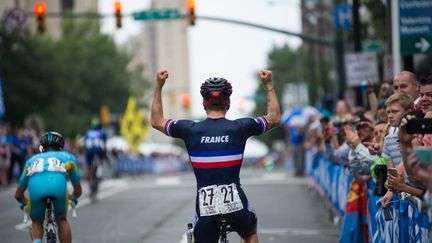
x=169, y=180
x=273, y=177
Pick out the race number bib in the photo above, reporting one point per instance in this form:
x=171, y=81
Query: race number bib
x=36, y=167
x=221, y=199
x=54, y=165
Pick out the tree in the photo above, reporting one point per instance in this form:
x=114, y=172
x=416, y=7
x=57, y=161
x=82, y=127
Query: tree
x=65, y=81
x=292, y=66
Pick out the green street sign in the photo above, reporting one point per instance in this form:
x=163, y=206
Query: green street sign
x=157, y=14
x=371, y=46
x=416, y=45
x=415, y=26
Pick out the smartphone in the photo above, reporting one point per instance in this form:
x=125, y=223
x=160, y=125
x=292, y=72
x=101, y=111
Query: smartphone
x=419, y=125
x=392, y=171
x=387, y=214
x=424, y=154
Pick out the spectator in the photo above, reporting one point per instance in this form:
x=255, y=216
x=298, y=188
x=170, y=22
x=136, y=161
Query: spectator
x=4, y=155
x=342, y=113
x=19, y=150
x=360, y=159
x=397, y=105
x=425, y=102
x=406, y=82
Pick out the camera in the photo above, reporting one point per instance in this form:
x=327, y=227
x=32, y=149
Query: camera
x=419, y=125
x=381, y=177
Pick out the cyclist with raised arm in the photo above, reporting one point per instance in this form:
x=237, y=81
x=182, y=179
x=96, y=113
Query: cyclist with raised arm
x=216, y=146
x=44, y=176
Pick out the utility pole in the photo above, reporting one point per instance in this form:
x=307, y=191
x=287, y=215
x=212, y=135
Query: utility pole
x=339, y=52
x=356, y=26
x=397, y=65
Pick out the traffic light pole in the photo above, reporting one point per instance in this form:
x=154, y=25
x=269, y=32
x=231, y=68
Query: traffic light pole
x=304, y=37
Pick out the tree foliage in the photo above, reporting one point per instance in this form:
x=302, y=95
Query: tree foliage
x=64, y=81
x=292, y=66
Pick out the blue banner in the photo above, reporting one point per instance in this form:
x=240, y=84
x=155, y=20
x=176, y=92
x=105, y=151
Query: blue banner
x=2, y=106
x=335, y=184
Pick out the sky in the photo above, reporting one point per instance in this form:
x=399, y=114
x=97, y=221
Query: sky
x=216, y=49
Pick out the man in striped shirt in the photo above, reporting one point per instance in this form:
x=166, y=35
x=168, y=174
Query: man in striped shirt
x=216, y=146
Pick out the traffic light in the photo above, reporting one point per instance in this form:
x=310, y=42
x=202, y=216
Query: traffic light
x=40, y=11
x=185, y=100
x=118, y=14
x=190, y=5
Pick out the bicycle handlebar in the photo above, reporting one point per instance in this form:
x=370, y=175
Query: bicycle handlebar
x=26, y=216
x=73, y=205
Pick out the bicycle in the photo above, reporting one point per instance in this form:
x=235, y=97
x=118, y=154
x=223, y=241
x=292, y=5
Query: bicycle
x=96, y=176
x=50, y=225
x=224, y=230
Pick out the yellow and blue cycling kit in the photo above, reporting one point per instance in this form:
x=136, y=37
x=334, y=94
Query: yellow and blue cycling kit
x=44, y=175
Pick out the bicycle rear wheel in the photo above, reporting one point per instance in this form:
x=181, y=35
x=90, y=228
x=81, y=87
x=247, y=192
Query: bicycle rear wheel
x=94, y=183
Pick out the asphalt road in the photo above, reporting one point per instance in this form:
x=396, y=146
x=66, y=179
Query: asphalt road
x=157, y=208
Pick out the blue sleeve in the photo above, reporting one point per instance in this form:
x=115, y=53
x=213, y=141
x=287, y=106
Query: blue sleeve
x=178, y=128
x=71, y=166
x=253, y=126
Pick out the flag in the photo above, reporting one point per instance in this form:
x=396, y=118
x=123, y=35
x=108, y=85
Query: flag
x=354, y=227
x=134, y=127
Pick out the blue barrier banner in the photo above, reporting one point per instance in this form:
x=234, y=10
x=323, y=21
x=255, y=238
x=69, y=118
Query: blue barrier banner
x=408, y=224
x=2, y=106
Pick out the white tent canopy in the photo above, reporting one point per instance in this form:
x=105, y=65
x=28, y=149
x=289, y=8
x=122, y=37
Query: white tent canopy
x=163, y=148
x=117, y=143
x=255, y=149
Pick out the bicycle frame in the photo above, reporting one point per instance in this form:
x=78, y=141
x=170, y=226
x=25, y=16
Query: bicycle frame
x=94, y=183
x=224, y=229
x=50, y=226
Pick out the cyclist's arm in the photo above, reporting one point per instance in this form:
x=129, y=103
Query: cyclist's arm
x=273, y=110
x=77, y=190
x=157, y=119
x=22, y=186
x=74, y=176
x=19, y=195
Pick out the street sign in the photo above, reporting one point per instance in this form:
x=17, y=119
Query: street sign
x=371, y=46
x=415, y=26
x=361, y=66
x=342, y=15
x=15, y=19
x=157, y=14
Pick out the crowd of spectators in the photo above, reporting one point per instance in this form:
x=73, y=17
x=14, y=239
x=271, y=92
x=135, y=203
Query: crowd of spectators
x=359, y=139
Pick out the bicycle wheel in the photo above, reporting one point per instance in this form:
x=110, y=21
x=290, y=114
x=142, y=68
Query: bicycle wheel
x=94, y=183
x=51, y=237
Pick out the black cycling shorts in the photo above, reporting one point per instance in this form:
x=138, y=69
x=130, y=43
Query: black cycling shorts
x=206, y=229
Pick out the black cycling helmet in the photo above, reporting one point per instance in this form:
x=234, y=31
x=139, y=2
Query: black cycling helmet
x=51, y=141
x=216, y=91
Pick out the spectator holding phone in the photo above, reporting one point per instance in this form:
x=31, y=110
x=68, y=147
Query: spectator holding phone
x=359, y=156
x=396, y=106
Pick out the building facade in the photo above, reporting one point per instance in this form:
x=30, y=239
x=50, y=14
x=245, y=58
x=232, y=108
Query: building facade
x=163, y=45
x=53, y=23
